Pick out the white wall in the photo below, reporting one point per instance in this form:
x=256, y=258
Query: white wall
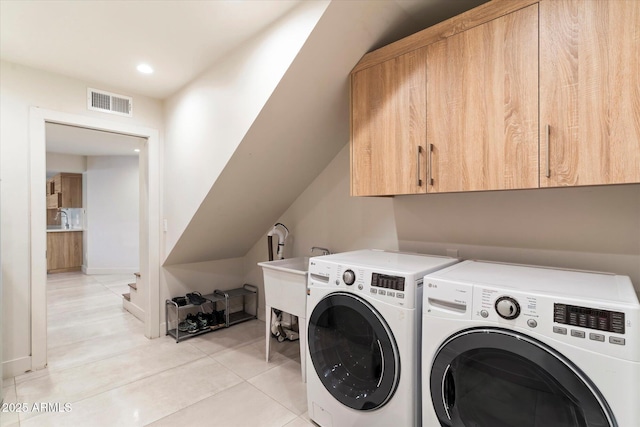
x=207, y=120
x=21, y=88
x=325, y=215
x=70, y=163
x=112, y=215
x=591, y=228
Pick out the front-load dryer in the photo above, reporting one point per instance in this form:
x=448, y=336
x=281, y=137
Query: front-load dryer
x=511, y=345
x=363, y=329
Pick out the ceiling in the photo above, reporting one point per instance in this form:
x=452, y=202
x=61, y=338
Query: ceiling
x=66, y=139
x=102, y=41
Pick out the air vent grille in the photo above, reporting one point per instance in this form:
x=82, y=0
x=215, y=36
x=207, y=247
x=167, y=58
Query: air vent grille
x=107, y=102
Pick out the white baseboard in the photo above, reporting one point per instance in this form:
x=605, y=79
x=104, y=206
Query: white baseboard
x=133, y=309
x=15, y=367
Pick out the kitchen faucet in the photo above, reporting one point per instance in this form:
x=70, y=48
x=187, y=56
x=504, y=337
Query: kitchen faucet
x=325, y=251
x=66, y=219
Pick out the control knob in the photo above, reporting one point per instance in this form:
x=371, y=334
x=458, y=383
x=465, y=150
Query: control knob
x=349, y=277
x=507, y=307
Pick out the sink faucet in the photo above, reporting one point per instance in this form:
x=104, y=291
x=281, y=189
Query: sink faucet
x=325, y=251
x=66, y=219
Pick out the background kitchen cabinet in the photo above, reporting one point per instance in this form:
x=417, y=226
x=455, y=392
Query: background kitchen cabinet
x=64, y=191
x=482, y=106
x=589, y=92
x=64, y=251
x=388, y=136
x=54, y=201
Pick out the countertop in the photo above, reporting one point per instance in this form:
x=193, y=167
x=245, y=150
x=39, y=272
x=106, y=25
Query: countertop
x=62, y=230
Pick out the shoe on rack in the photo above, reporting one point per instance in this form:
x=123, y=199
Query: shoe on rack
x=221, y=317
x=192, y=324
x=210, y=318
x=203, y=321
x=180, y=301
x=213, y=316
x=183, y=326
x=195, y=298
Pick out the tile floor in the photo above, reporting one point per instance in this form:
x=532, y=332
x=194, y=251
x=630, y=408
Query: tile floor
x=111, y=375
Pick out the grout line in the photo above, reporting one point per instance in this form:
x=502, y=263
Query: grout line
x=199, y=353
x=278, y=403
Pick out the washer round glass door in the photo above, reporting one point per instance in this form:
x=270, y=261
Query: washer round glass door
x=353, y=351
x=499, y=378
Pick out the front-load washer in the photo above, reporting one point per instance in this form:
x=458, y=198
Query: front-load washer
x=511, y=345
x=363, y=329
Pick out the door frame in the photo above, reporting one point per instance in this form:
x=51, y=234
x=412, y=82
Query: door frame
x=149, y=224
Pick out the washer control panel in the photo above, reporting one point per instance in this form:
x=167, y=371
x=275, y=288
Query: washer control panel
x=386, y=281
x=591, y=318
x=390, y=287
x=349, y=277
x=507, y=307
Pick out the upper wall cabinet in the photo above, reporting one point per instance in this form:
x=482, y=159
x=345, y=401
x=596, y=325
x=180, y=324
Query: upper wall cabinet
x=512, y=94
x=482, y=106
x=64, y=191
x=589, y=92
x=388, y=135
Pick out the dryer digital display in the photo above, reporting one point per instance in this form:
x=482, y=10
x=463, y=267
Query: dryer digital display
x=591, y=318
x=388, y=282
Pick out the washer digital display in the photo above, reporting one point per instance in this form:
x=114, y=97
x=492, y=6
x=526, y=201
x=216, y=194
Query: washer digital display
x=387, y=282
x=591, y=318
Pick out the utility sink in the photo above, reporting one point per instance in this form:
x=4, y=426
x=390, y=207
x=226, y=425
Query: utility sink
x=285, y=284
x=285, y=288
x=298, y=265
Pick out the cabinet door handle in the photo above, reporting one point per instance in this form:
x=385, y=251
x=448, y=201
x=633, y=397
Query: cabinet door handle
x=419, y=180
x=430, y=166
x=548, y=136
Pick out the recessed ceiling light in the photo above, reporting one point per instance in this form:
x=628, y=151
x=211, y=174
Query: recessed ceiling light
x=137, y=150
x=145, y=69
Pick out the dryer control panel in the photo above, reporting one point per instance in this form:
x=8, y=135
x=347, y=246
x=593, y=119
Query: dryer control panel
x=599, y=328
x=598, y=312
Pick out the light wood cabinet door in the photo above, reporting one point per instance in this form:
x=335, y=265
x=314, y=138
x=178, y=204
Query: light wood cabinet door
x=589, y=92
x=65, y=191
x=64, y=251
x=71, y=191
x=482, y=106
x=388, y=136
x=54, y=201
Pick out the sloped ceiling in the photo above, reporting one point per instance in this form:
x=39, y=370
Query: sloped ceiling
x=302, y=127
x=180, y=39
x=104, y=41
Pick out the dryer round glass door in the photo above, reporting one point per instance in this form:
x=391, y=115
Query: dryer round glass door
x=353, y=351
x=495, y=377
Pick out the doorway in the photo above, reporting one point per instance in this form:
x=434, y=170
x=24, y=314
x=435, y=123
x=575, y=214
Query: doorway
x=149, y=220
x=98, y=198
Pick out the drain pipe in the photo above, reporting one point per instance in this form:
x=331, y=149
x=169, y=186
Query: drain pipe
x=282, y=236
